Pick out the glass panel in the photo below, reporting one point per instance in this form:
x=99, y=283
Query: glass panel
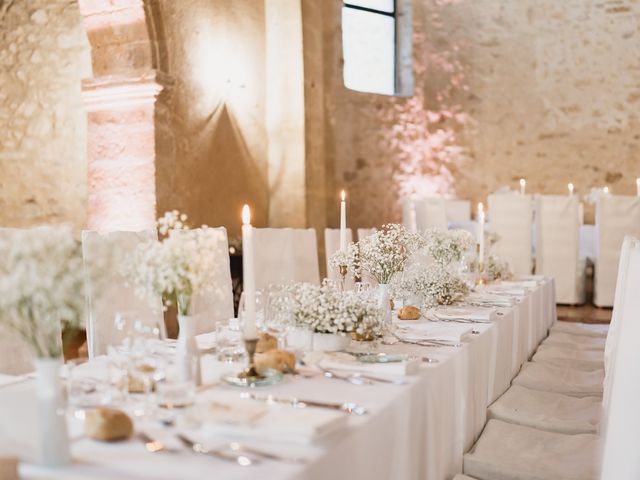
x=368, y=45
x=382, y=5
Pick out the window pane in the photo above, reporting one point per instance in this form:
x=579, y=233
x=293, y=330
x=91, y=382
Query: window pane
x=368, y=44
x=383, y=5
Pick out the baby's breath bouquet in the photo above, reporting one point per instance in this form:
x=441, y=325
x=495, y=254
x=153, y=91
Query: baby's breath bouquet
x=448, y=246
x=385, y=252
x=181, y=263
x=326, y=309
x=42, y=283
x=495, y=268
x=433, y=285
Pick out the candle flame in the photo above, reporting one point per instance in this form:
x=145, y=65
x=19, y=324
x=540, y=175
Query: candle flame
x=480, y=207
x=605, y=189
x=246, y=215
x=570, y=186
x=523, y=182
x=342, y=195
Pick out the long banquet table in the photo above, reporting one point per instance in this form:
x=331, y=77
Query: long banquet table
x=419, y=430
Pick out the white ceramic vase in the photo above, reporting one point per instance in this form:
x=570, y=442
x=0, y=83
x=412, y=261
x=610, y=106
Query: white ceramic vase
x=330, y=342
x=54, y=437
x=187, y=353
x=384, y=302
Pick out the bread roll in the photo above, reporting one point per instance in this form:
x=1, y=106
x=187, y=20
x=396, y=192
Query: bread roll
x=280, y=360
x=266, y=342
x=107, y=424
x=409, y=313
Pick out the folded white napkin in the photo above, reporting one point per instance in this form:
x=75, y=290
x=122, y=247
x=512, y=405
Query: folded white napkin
x=271, y=422
x=466, y=313
x=506, y=290
x=451, y=332
x=346, y=362
x=520, y=283
x=490, y=299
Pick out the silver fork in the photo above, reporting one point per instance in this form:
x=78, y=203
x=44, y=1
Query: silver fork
x=155, y=446
x=353, y=379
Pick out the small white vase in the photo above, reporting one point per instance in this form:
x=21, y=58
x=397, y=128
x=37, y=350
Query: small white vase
x=187, y=352
x=330, y=342
x=384, y=303
x=54, y=437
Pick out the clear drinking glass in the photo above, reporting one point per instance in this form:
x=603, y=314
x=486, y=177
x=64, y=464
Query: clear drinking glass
x=229, y=344
x=279, y=319
x=85, y=388
x=177, y=390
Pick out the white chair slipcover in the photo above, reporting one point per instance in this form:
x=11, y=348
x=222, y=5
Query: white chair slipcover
x=558, y=246
x=117, y=294
x=569, y=381
x=409, y=214
x=578, y=359
x=458, y=210
x=284, y=255
x=513, y=452
x=365, y=232
x=577, y=328
x=511, y=218
x=332, y=245
x=549, y=411
x=621, y=420
x=577, y=342
x=430, y=213
x=616, y=216
x=16, y=356
x=215, y=303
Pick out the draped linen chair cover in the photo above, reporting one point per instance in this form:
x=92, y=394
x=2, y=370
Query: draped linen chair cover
x=577, y=328
x=117, y=294
x=577, y=342
x=332, y=245
x=578, y=359
x=430, y=213
x=511, y=218
x=513, y=452
x=616, y=216
x=365, y=232
x=458, y=211
x=215, y=303
x=409, y=214
x=621, y=422
x=549, y=411
x=16, y=356
x=285, y=255
x=550, y=378
x=558, y=246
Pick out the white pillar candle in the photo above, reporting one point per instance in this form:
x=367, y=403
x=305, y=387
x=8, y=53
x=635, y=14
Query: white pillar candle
x=481, y=232
x=605, y=190
x=570, y=187
x=638, y=186
x=248, y=277
x=343, y=223
x=523, y=186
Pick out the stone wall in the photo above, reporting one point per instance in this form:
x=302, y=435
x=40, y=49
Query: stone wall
x=43, y=56
x=505, y=89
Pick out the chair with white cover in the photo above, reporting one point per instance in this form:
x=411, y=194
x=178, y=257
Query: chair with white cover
x=430, y=213
x=511, y=218
x=214, y=303
x=332, y=245
x=458, y=211
x=285, y=255
x=116, y=295
x=558, y=246
x=616, y=216
x=365, y=232
x=575, y=342
x=569, y=357
x=621, y=430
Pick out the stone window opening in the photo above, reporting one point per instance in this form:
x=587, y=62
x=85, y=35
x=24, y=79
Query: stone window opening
x=376, y=46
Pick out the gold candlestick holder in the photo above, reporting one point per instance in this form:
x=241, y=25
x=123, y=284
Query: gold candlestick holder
x=250, y=377
x=480, y=280
x=344, y=269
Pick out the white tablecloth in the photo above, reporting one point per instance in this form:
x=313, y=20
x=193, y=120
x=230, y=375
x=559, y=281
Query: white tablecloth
x=414, y=431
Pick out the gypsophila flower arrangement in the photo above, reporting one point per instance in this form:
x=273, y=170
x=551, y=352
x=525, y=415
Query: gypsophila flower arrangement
x=181, y=263
x=496, y=269
x=434, y=285
x=385, y=252
x=42, y=283
x=326, y=309
x=448, y=246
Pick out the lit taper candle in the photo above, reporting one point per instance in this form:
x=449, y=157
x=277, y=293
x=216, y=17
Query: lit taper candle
x=605, y=190
x=523, y=186
x=248, y=276
x=481, y=232
x=570, y=187
x=343, y=222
